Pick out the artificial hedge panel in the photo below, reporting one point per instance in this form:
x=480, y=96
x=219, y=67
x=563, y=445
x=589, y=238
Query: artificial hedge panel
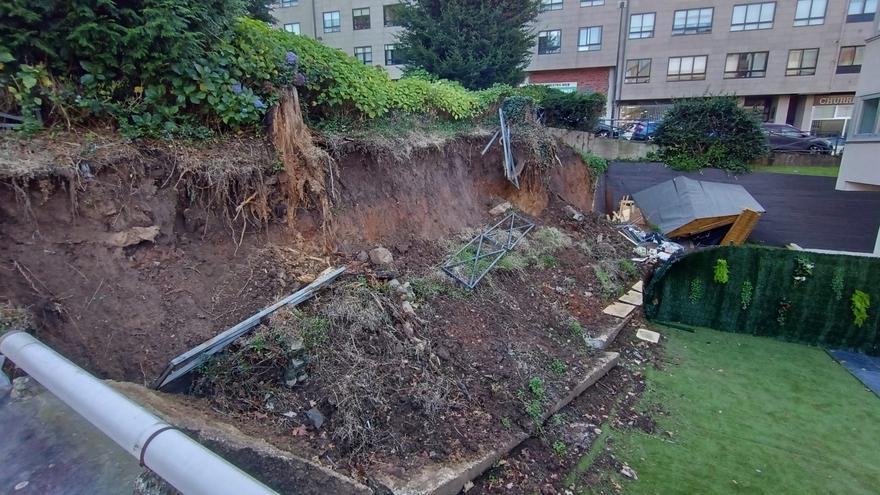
x=814, y=314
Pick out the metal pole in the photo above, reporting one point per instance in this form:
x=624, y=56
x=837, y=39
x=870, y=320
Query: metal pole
x=181, y=461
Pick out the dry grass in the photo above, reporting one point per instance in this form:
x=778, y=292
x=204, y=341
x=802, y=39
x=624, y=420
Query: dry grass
x=365, y=362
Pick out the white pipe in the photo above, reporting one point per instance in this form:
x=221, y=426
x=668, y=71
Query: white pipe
x=181, y=461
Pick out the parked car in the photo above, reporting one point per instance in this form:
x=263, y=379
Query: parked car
x=642, y=131
x=607, y=130
x=784, y=137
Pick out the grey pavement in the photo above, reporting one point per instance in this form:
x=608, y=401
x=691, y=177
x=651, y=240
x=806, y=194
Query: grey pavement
x=46, y=448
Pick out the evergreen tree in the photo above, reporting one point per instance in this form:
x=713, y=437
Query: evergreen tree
x=259, y=10
x=475, y=42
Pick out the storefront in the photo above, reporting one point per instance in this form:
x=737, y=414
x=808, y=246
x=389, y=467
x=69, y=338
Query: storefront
x=830, y=114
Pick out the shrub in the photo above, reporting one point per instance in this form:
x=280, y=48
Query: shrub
x=578, y=111
x=596, y=164
x=721, y=275
x=861, y=301
x=710, y=132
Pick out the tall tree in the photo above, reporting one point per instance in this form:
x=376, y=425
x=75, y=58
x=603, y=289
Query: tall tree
x=475, y=42
x=259, y=10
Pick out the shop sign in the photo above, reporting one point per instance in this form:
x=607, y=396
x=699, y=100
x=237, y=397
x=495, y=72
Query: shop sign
x=833, y=100
x=565, y=87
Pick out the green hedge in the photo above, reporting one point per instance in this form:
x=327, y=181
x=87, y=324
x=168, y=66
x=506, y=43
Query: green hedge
x=819, y=308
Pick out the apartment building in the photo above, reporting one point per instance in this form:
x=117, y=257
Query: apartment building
x=793, y=61
x=860, y=168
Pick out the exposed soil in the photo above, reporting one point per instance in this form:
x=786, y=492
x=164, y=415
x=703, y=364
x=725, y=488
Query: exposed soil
x=614, y=401
x=131, y=262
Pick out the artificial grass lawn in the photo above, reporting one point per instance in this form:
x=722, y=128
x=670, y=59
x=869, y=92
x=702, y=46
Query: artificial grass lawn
x=784, y=169
x=753, y=415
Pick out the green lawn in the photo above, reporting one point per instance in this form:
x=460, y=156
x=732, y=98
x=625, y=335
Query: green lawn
x=753, y=415
x=818, y=171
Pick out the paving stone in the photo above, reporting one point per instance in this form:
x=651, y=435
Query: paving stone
x=638, y=286
x=647, y=335
x=619, y=309
x=632, y=297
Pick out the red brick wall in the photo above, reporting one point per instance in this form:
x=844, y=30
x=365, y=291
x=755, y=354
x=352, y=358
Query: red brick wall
x=588, y=78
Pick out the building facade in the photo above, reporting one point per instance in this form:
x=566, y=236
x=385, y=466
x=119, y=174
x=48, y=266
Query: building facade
x=860, y=167
x=793, y=61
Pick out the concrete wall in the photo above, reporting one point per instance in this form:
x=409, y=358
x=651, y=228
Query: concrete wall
x=799, y=159
x=610, y=149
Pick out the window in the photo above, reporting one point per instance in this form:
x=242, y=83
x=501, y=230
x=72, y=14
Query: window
x=332, y=23
x=288, y=3
x=641, y=26
x=638, y=71
x=753, y=16
x=364, y=54
x=745, y=65
x=869, y=117
x=393, y=55
x=861, y=10
x=391, y=14
x=360, y=18
x=686, y=68
x=549, y=42
x=592, y=3
x=802, y=62
x=810, y=12
x=292, y=27
x=550, y=5
x=590, y=39
x=693, y=21
x=850, y=59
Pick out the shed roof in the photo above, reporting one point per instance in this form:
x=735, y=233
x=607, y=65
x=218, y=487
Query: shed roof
x=678, y=202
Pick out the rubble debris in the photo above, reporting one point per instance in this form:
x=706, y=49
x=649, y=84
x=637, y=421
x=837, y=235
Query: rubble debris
x=647, y=335
x=134, y=235
x=500, y=209
x=628, y=472
x=574, y=214
x=184, y=363
x=381, y=256
x=315, y=417
x=618, y=309
x=473, y=261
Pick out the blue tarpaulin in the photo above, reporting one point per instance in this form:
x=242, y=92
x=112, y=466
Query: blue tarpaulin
x=865, y=368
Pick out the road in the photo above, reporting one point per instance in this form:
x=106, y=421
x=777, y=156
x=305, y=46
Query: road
x=804, y=210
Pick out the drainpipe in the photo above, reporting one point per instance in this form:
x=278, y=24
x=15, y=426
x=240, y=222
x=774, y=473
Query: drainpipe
x=181, y=461
x=617, y=88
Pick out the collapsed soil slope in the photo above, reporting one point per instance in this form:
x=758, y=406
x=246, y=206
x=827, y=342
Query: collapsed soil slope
x=125, y=262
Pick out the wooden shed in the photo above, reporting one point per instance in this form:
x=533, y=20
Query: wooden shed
x=684, y=207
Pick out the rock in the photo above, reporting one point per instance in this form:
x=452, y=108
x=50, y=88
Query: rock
x=434, y=360
x=467, y=486
x=574, y=214
x=193, y=219
x=149, y=483
x=295, y=345
x=408, y=330
x=393, y=284
x=382, y=274
x=306, y=278
x=363, y=257
x=315, y=417
x=134, y=235
x=408, y=309
x=22, y=388
x=381, y=256
x=500, y=209
x=442, y=353
x=628, y=472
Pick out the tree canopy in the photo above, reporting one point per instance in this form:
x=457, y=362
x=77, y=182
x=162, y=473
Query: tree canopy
x=475, y=42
